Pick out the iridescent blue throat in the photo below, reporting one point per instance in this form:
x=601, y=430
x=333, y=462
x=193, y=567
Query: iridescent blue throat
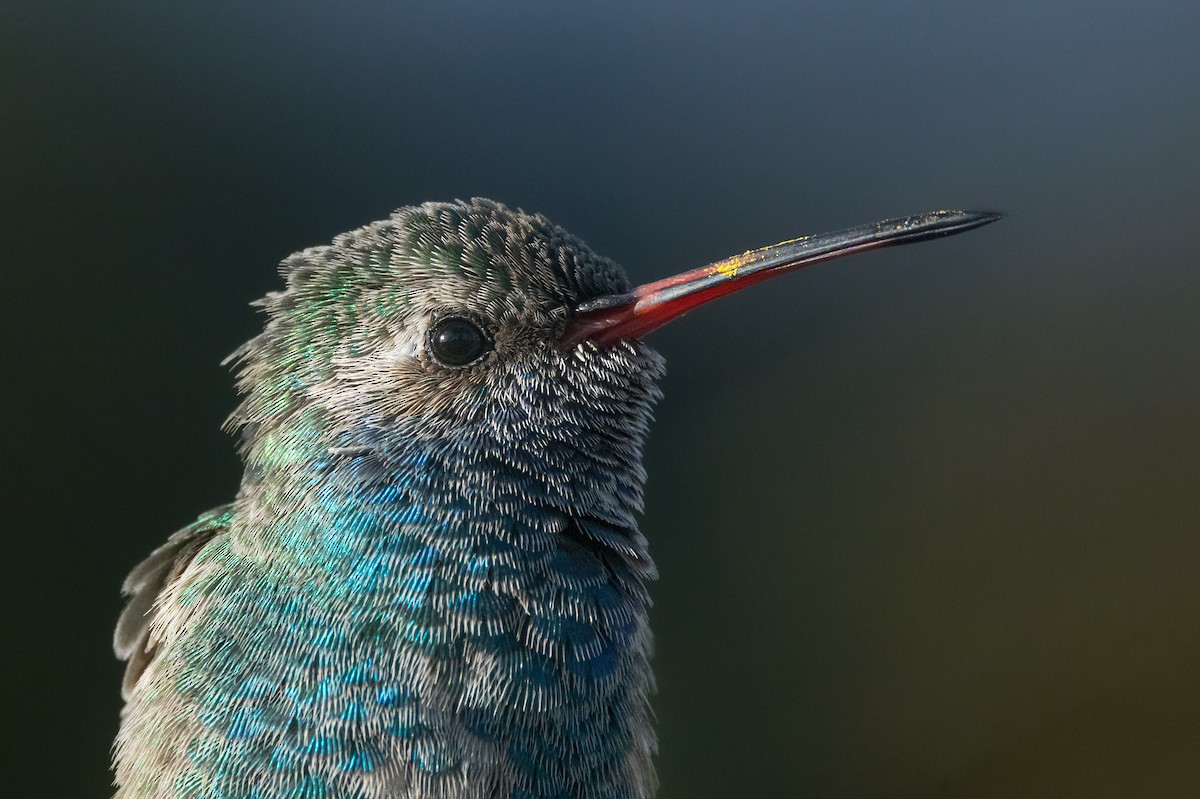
x=380, y=615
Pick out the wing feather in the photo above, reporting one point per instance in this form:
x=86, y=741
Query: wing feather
x=132, y=640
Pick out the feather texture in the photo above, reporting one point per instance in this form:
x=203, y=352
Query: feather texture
x=431, y=584
x=132, y=640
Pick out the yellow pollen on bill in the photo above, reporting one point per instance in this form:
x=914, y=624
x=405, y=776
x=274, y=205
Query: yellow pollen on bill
x=731, y=266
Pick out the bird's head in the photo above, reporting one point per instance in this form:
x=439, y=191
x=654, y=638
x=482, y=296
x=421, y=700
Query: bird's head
x=442, y=318
x=468, y=321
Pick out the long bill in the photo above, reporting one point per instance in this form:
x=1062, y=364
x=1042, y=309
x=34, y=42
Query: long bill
x=607, y=320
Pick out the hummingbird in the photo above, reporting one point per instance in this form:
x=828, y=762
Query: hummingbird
x=431, y=583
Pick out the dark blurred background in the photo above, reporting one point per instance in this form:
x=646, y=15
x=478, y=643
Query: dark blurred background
x=927, y=520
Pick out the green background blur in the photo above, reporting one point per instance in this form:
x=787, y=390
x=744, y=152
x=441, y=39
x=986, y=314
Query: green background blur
x=927, y=520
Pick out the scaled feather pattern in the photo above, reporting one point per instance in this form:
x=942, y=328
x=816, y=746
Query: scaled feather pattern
x=431, y=583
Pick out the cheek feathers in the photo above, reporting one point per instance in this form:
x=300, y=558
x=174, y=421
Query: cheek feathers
x=369, y=380
x=395, y=378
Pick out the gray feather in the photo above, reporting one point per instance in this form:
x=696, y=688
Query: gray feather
x=147, y=581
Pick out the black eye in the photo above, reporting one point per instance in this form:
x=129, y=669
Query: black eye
x=455, y=341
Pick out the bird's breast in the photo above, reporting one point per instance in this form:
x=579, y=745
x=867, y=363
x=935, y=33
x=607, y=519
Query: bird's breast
x=417, y=653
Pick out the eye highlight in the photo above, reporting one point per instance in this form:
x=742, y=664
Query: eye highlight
x=456, y=342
